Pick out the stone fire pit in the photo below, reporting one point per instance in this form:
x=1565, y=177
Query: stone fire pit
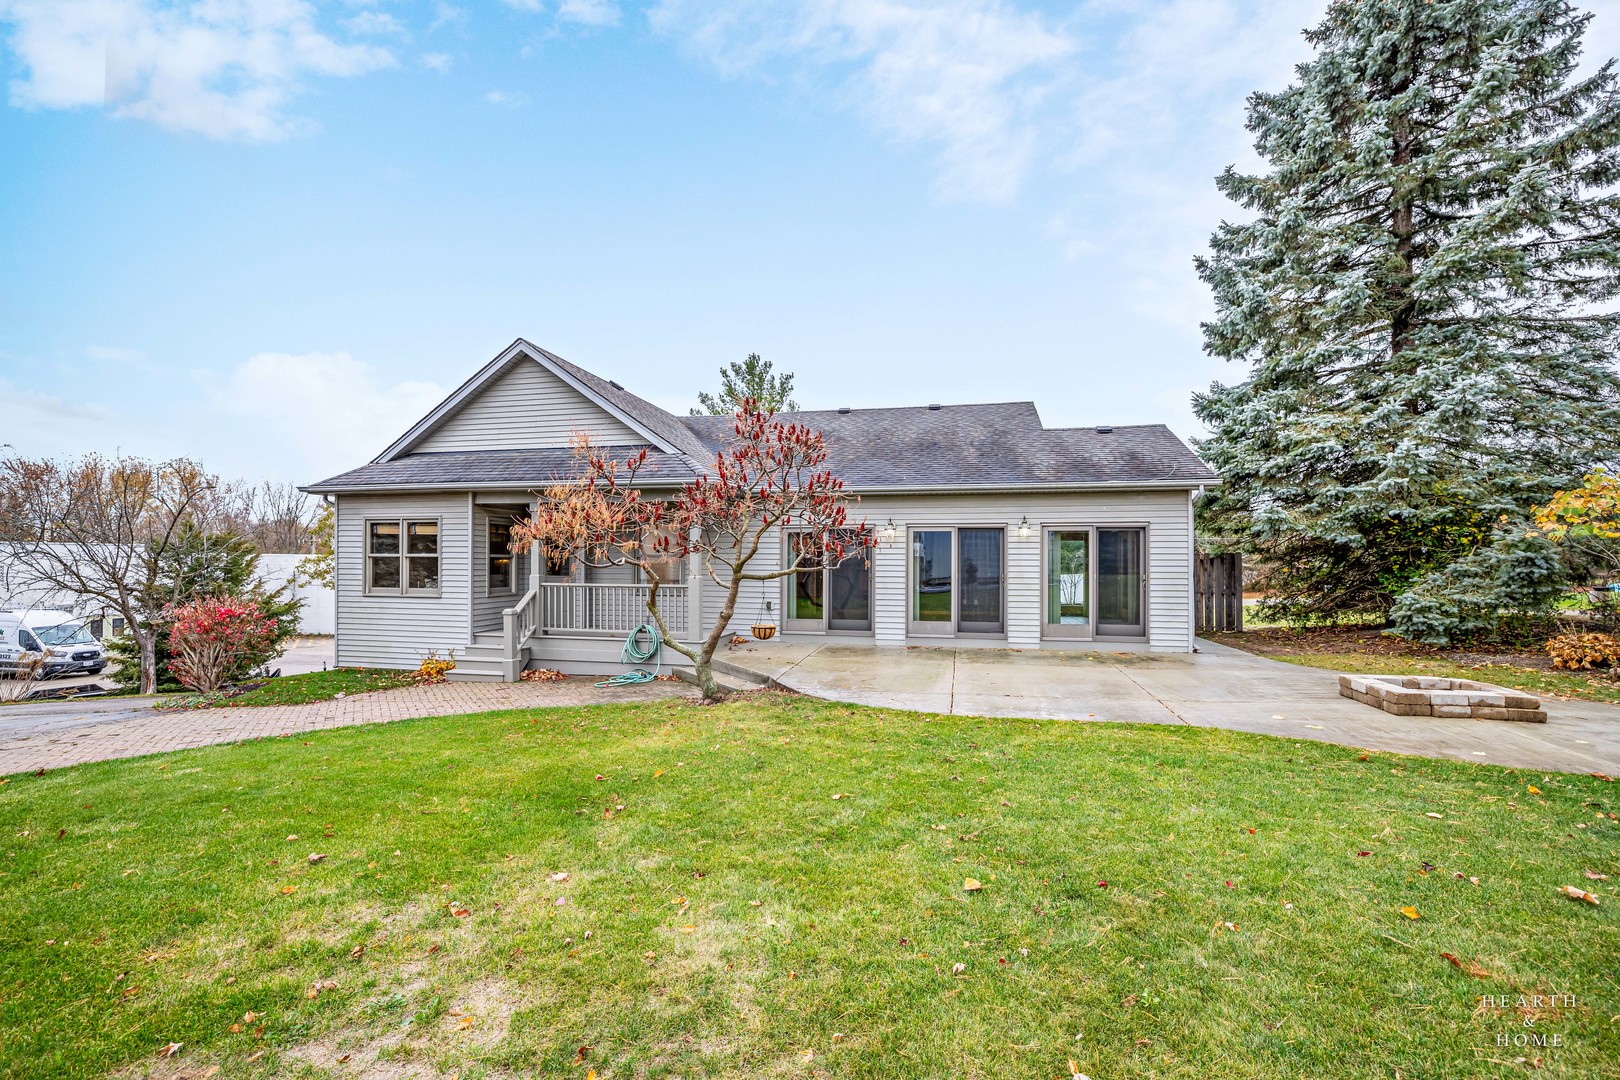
x=1418, y=695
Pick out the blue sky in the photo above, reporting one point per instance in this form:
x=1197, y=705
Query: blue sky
x=270, y=234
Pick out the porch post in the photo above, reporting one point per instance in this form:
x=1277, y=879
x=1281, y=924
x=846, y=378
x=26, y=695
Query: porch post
x=535, y=565
x=694, y=597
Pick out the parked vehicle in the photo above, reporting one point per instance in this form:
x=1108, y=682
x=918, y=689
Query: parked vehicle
x=65, y=642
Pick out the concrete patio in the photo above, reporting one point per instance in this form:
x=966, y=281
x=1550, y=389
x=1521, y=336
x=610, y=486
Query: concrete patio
x=1217, y=687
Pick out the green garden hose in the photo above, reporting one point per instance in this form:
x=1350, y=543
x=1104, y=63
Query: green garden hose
x=634, y=653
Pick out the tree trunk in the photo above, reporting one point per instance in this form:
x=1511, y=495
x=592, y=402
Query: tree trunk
x=701, y=669
x=148, y=643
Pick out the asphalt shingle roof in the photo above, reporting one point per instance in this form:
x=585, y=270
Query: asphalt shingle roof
x=947, y=447
x=522, y=470
x=982, y=446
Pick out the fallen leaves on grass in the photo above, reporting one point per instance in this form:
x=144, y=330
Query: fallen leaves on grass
x=971, y=885
x=1411, y=913
x=1593, y=875
x=1472, y=967
x=1578, y=894
x=1532, y=789
x=560, y=876
x=316, y=988
x=315, y=858
x=170, y=1050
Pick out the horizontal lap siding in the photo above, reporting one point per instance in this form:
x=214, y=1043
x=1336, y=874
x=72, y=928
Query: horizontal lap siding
x=527, y=408
x=1169, y=567
x=1168, y=560
x=398, y=631
x=751, y=597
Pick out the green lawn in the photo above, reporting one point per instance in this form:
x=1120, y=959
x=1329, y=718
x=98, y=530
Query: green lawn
x=725, y=915
x=1561, y=684
x=298, y=689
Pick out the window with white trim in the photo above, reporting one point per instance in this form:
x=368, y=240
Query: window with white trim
x=501, y=576
x=402, y=557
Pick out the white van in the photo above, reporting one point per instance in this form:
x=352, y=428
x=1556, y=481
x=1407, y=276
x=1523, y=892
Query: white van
x=68, y=647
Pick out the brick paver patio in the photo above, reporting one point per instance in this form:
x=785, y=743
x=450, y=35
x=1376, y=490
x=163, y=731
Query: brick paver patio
x=34, y=737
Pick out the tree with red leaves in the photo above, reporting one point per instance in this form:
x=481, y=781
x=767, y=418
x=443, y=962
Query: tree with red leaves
x=767, y=477
x=216, y=639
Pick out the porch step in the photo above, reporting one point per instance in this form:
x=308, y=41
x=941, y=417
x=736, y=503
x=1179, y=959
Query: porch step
x=461, y=674
x=474, y=668
x=745, y=677
x=726, y=680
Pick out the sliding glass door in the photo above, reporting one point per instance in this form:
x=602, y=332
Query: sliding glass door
x=821, y=597
x=958, y=581
x=1119, y=583
x=1093, y=582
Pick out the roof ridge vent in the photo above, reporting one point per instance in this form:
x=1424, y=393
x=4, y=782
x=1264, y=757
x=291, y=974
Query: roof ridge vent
x=844, y=411
x=615, y=385
x=935, y=408
x=1104, y=429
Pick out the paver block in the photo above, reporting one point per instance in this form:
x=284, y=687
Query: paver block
x=1427, y=695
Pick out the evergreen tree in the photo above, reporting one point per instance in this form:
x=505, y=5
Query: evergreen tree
x=750, y=379
x=199, y=564
x=1425, y=297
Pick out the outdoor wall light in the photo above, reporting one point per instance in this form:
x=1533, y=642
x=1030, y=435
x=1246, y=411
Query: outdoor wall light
x=889, y=531
x=1023, y=528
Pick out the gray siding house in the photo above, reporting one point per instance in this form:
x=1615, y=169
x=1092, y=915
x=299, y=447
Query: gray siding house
x=993, y=531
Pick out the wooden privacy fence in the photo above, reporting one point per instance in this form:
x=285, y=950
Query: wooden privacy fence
x=1217, y=592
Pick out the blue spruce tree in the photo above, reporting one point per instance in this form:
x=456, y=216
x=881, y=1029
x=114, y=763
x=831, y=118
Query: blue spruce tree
x=1425, y=299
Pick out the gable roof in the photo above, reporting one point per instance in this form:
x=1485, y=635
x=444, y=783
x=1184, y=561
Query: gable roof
x=658, y=427
x=922, y=448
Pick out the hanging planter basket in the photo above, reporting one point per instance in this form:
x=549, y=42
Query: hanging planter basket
x=764, y=631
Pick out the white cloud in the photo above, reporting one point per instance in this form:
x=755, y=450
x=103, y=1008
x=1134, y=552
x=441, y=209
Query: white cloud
x=324, y=412
x=970, y=77
x=446, y=15
x=437, y=61
x=506, y=99
x=525, y=5
x=47, y=406
x=589, y=12
x=375, y=23
x=222, y=68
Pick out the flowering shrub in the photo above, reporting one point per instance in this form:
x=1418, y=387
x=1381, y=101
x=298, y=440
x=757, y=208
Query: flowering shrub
x=1584, y=651
x=218, y=639
x=434, y=668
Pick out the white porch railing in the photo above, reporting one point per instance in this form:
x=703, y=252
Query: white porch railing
x=518, y=623
x=618, y=609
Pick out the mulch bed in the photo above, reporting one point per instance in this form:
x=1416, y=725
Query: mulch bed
x=1370, y=641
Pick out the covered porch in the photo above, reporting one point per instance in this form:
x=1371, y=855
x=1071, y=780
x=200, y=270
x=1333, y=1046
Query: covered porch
x=526, y=609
